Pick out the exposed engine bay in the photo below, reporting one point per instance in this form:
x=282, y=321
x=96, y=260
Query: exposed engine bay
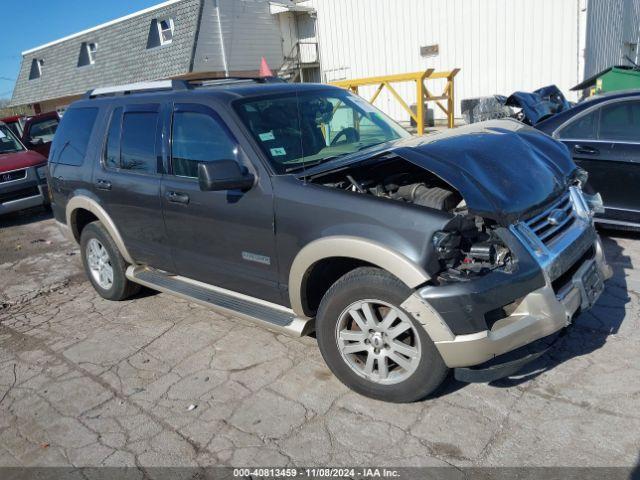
x=470, y=246
x=395, y=179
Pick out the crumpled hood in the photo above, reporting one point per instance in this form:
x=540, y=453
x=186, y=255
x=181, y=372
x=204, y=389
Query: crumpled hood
x=502, y=168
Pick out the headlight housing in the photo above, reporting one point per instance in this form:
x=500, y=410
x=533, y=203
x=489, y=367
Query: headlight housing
x=42, y=172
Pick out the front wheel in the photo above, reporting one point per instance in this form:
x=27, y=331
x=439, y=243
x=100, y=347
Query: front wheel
x=374, y=346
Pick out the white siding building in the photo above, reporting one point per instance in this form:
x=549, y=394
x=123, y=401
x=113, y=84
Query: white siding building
x=501, y=46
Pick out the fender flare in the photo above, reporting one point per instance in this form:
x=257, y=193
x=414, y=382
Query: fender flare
x=86, y=203
x=339, y=246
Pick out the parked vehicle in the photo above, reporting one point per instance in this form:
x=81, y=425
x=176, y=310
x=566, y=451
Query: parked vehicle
x=15, y=123
x=23, y=181
x=603, y=136
x=36, y=132
x=527, y=107
x=301, y=206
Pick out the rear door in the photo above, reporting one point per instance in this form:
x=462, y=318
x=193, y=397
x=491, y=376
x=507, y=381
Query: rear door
x=127, y=181
x=224, y=238
x=606, y=143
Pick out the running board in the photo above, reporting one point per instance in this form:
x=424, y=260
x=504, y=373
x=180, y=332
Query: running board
x=269, y=315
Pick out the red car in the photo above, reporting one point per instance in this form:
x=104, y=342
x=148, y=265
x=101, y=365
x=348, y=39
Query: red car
x=35, y=132
x=23, y=174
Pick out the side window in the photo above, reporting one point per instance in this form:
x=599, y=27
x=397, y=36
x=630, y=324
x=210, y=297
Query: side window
x=112, y=150
x=198, y=138
x=138, y=142
x=72, y=137
x=620, y=121
x=584, y=128
x=44, y=130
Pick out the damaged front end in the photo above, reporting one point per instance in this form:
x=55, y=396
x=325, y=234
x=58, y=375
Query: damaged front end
x=518, y=258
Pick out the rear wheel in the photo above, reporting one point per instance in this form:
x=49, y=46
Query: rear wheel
x=104, y=265
x=374, y=346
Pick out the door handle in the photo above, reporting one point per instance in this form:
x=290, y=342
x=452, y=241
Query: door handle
x=103, y=184
x=178, y=197
x=586, y=150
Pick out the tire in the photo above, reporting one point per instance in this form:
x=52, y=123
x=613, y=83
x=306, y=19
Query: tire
x=95, y=239
x=422, y=370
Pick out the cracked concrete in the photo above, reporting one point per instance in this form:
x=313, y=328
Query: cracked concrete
x=87, y=382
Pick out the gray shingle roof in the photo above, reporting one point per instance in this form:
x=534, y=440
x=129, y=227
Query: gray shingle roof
x=122, y=56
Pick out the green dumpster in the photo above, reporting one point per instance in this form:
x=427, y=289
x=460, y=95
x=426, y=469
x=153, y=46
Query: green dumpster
x=612, y=79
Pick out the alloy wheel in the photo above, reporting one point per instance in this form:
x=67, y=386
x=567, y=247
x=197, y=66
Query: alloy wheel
x=99, y=264
x=378, y=341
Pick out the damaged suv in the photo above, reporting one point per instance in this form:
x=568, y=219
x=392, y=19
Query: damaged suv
x=302, y=207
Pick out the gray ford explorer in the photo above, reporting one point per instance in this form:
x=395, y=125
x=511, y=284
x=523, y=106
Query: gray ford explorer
x=302, y=208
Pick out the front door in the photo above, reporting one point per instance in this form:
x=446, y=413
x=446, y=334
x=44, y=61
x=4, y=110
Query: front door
x=222, y=238
x=606, y=143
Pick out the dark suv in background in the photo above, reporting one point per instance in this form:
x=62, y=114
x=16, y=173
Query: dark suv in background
x=302, y=207
x=603, y=136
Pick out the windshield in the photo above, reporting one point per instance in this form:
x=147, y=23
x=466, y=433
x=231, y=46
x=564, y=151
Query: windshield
x=8, y=142
x=304, y=129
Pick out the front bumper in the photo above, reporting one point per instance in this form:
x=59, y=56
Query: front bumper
x=27, y=192
x=539, y=314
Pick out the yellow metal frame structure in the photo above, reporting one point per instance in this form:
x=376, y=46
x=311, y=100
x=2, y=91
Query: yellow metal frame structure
x=422, y=92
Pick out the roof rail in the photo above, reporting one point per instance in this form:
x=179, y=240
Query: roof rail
x=138, y=87
x=160, y=85
x=212, y=81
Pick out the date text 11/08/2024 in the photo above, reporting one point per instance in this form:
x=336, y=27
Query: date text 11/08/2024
x=316, y=472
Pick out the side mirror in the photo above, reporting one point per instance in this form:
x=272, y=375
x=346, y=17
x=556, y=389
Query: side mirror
x=224, y=175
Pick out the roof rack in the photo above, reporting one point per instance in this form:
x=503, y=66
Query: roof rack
x=161, y=85
x=138, y=87
x=216, y=81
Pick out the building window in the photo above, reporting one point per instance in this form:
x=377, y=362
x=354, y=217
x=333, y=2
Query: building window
x=160, y=33
x=165, y=31
x=36, y=68
x=87, y=54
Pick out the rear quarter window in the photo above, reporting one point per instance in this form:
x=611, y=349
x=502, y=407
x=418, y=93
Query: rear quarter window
x=72, y=136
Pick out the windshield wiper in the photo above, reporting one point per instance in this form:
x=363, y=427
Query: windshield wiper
x=372, y=145
x=306, y=165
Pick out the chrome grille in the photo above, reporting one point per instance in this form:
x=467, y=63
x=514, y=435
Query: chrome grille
x=7, y=177
x=550, y=224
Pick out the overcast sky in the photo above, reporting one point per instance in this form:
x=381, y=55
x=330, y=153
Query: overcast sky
x=30, y=23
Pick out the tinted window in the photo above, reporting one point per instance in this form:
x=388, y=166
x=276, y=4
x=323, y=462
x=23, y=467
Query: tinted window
x=72, y=137
x=112, y=150
x=620, y=121
x=198, y=138
x=584, y=128
x=44, y=130
x=138, y=142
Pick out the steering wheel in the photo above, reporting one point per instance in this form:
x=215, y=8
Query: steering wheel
x=351, y=135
